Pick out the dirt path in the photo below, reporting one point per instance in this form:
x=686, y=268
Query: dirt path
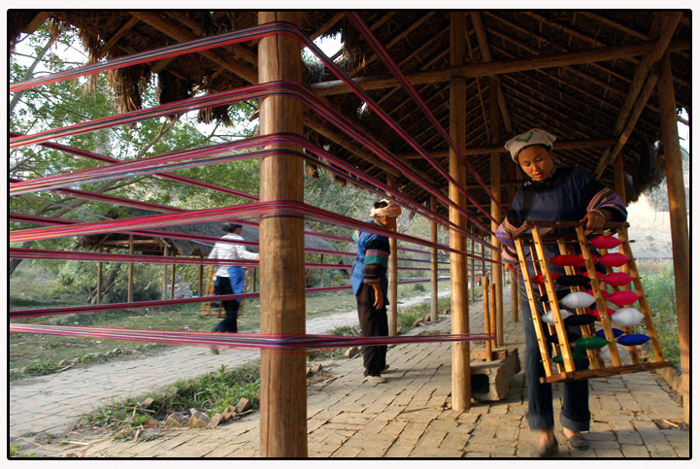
x=51, y=404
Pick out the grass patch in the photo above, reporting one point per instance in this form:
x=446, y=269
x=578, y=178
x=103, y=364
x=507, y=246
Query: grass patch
x=16, y=452
x=210, y=393
x=659, y=286
x=407, y=316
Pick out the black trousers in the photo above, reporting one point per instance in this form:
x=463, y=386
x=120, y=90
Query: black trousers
x=575, y=414
x=373, y=322
x=222, y=286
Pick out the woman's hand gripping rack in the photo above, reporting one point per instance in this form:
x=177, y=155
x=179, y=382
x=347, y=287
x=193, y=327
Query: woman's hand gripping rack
x=587, y=353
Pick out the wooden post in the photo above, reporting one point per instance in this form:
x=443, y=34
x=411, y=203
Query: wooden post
x=201, y=281
x=679, y=219
x=172, y=282
x=130, y=274
x=165, y=272
x=497, y=275
x=98, y=296
x=393, y=292
x=514, y=281
x=472, y=265
x=461, y=369
x=487, y=316
x=282, y=300
x=322, y=270
x=433, y=265
x=493, y=303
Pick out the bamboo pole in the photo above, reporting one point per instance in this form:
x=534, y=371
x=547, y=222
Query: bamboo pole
x=461, y=370
x=433, y=265
x=283, y=427
x=130, y=274
x=497, y=274
x=679, y=220
x=393, y=292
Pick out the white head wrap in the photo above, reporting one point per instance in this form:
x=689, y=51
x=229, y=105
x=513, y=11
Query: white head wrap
x=392, y=210
x=526, y=139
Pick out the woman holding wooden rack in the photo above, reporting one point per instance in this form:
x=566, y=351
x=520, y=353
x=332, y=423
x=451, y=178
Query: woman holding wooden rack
x=554, y=194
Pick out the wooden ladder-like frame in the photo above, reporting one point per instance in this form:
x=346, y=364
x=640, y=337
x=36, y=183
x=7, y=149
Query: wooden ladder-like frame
x=537, y=234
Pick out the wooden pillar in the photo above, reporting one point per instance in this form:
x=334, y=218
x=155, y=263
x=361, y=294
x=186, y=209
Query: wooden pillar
x=98, y=295
x=496, y=275
x=201, y=281
x=172, y=282
x=322, y=272
x=679, y=219
x=130, y=274
x=514, y=295
x=282, y=300
x=514, y=281
x=392, y=290
x=461, y=370
x=165, y=272
x=433, y=265
x=472, y=265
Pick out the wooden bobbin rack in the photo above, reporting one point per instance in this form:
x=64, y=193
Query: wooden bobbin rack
x=535, y=235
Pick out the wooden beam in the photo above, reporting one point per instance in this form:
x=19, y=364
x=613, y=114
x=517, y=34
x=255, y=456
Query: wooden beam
x=487, y=149
x=495, y=166
x=461, y=368
x=39, y=19
x=120, y=32
x=488, y=57
x=327, y=25
x=629, y=127
x=176, y=32
x=322, y=128
x=433, y=264
x=283, y=426
x=474, y=70
x=679, y=220
x=392, y=288
x=670, y=23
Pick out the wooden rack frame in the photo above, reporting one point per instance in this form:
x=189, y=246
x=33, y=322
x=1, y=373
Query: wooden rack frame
x=537, y=234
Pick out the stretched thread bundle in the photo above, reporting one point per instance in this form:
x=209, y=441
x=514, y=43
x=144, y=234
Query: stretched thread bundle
x=179, y=301
x=240, y=340
x=292, y=31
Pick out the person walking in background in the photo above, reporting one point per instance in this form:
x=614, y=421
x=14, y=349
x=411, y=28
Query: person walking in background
x=369, y=284
x=230, y=279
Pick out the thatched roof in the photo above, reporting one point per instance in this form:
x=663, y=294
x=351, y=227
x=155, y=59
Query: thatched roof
x=180, y=247
x=567, y=71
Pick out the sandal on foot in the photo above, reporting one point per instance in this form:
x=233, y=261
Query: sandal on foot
x=576, y=441
x=547, y=451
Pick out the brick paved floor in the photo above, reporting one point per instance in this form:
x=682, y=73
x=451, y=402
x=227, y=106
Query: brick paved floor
x=410, y=415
